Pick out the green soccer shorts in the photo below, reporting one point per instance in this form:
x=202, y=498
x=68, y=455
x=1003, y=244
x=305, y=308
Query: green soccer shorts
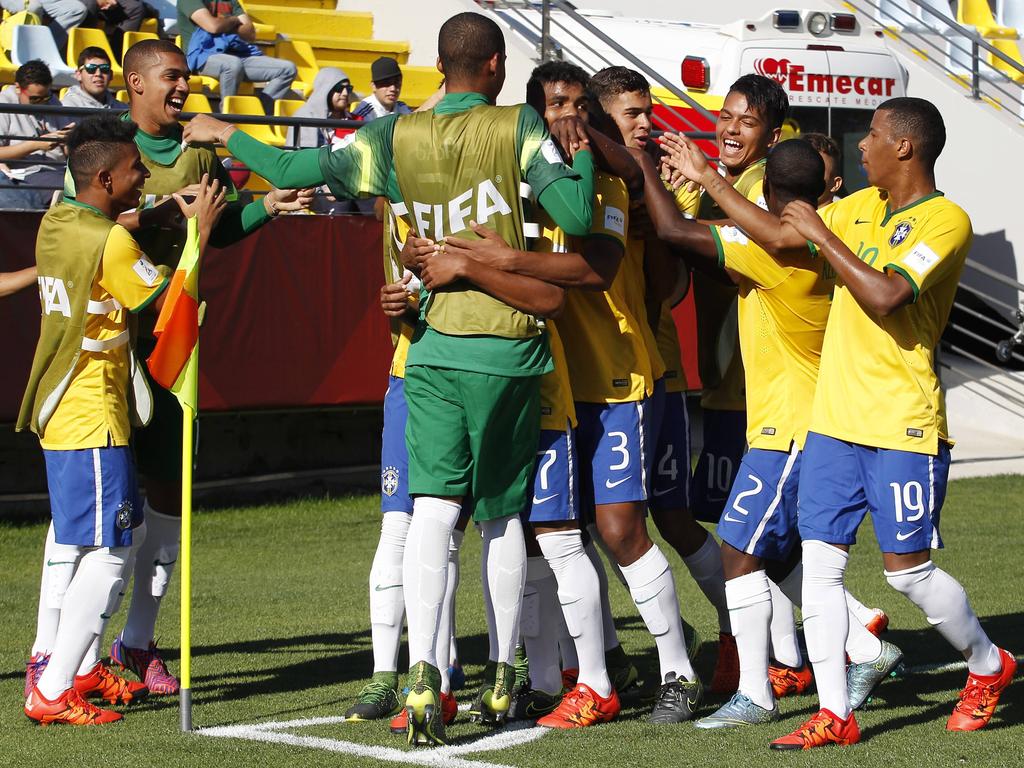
x=472, y=434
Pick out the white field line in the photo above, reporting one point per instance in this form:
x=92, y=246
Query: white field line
x=444, y=757
x=955, y=666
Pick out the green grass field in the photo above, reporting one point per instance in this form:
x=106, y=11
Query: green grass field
x=281, y=633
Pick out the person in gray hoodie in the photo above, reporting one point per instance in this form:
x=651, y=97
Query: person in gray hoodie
x=93, y=75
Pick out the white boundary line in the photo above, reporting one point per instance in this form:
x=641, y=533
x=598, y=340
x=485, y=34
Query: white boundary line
x=514, y=735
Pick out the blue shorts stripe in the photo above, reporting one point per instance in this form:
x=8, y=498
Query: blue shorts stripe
x=787, y=470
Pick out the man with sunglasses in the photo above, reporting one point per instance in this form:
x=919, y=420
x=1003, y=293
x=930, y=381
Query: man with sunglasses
x=93, y=74
x=31, y=146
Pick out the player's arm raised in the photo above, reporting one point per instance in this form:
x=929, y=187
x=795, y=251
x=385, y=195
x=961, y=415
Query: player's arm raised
x=881, y=293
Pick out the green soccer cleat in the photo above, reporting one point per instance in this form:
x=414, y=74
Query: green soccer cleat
x=739, y=710
x=377, y=700
x=522, y=666
x=493, y=701
x=423, y=707
x=863, y=679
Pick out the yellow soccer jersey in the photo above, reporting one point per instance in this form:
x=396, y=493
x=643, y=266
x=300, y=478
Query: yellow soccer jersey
x=395, y=232
x=556, y=404
x=718, y=353
x=877, y=385
x=604, y=346
x=93, y=413
x=783, y=308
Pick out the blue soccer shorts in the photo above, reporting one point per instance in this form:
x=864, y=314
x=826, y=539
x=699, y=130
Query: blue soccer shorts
x=725, y=441
x=555, y=479
x=94, y=496
x=615, y=450
x=840, y=482
x=760, y=516
x=394, y=456
x=670, y=478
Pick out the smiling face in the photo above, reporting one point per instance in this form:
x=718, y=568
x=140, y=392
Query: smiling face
x=94, y=77
x=743, y=134
x=631, y=113
x=159, y=90
x=126, y=179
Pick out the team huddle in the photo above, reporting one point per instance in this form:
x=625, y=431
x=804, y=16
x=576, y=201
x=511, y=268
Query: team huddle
x=532, y=255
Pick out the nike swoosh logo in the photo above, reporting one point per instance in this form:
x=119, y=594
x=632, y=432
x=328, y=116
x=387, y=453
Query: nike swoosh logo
x=647, y=600
x=667, y=490
x=904, y=537
x=379, y=588
x=546, y=498
x=609, y=484
x=60, y=562
x=104, y=616
x=535, y=711
x=862, y=221
x=169, y=562
x=571, y=602
x=728, y=519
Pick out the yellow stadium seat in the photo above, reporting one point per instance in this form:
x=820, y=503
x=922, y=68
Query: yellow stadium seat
x=122, y=96
x=7, y=69
x=149, y=26
x=1011, y=50
x=131, y=38
x=250, y=105
x=197, y=102
x=978, y=14
x=285, y=108
x=300, y=53
x=80, y=38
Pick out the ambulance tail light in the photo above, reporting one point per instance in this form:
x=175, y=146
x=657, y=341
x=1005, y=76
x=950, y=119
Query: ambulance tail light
x=786, y=19
x=843, y=22
x=696, y=73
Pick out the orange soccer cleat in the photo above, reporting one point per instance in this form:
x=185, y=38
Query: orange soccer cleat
x=727, y=669
x=821, y=730
x=879, y=624
x=979, y=697
x=581, y=707
x=449, y=709
x=789, y=681
x=68, y=708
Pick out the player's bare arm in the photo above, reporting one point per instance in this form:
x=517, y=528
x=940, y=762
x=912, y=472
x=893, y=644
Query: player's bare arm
x=394, y=301
x=764, y=228
x=415, y=250
x=216, y=25
x=574, y=134
x=881, y=293
x=12, y=282
x=526, y=294
x=594, y=269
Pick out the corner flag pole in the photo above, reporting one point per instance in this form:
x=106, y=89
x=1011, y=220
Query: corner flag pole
x=186, y=568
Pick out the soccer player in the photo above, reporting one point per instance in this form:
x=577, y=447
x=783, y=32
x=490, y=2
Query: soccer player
x=832, y=156
x=892, y=301
x=783, y=307
x=472, y=376
x=77, y=402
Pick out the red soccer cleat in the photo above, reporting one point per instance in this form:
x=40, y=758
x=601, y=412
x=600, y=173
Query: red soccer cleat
x=68, y=708
x=581, y=707
x=148, y=665
x=101, y=683
x=979, y=697
x=789, y=681
x=727, y=668
x=821, y=730
x=449, y=708
x=34, y=670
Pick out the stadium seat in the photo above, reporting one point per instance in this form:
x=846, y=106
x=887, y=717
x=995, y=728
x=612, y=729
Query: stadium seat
x=250, y=105
x=1011, y=49
x=131, y=38
x=121, y=96
x=197, y=102
x=300, y=53
x=978, y=14
x=80, y=38
x=7, y=69
x=32, y=41
x=285, y=108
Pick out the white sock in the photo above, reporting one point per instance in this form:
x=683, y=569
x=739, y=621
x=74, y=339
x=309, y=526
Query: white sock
x=946, y=608
x=59, y=563
x=505, y=557
x=425, y=573
x=654, y=592
x=785, y=645
x=155, y=556
x=705, y=566
x=826, y=622
x=446, y=626
x=579, y=593
x=90, y=595
x=860, y=612
x=539, y=627
x=611, y=636
x=750, y=607
x=387, y=606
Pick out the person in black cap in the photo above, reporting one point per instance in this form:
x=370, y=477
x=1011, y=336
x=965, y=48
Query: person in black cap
x=387, y=85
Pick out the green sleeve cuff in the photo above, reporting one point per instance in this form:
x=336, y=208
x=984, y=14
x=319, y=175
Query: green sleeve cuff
x=283, y=169
x=906, y=275
x=237, y=222
x=718, y=246
x=152, y=297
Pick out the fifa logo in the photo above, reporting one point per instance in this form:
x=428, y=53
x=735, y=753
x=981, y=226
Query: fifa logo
x=54, y=296
x=478, y=204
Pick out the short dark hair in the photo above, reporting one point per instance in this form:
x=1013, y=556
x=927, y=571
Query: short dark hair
x=552, y=72
x=921, y=122
x=466, y=42
x=92, y=52
x=95, y=145
x=823, y=144
x=611, y=81
x=764, y=94
x=34, y=72
x=145, y=52
x=795, y=171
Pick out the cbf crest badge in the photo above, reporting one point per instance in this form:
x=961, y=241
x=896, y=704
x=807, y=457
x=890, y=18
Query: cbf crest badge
x=124, y=515
x=900, y=233
x=389, y=481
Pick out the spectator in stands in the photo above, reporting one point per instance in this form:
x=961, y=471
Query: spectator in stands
x=61, y=15
x=227, y=17
x=118, y=17
x=387, y=86
x=93, y=75
x=36, y=162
